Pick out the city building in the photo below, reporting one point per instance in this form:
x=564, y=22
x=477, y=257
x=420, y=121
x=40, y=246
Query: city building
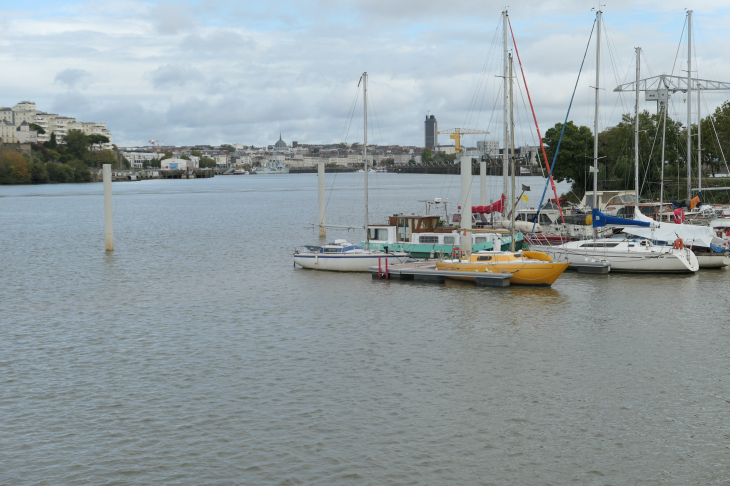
x=432, y=128
x=488, y=147
x=24, y=134
x=137, y=159
x=7, y=132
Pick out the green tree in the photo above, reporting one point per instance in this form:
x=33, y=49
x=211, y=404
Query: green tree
x=206, y=163
x=101, y=157
x=13, y=168
x=76, y=144
x=51, y=144
x=228, y=148
x=196, y=153
x=60, y=172
x=184, y=157
x=575, y=156
x=427, y=156
x=167, y=155
x=37, y=128
x=315, y=150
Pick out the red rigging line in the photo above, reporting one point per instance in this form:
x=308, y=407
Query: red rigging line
x=539, y=136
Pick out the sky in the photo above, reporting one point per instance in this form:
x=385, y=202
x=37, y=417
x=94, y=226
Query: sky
x=212, y=72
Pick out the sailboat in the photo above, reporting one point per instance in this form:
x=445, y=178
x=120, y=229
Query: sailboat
x=340, y=255
x=526, y=267
x=627, y=254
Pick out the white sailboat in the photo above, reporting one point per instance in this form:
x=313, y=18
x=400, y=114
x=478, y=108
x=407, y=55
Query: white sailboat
x=624, y=255
x=341, y=255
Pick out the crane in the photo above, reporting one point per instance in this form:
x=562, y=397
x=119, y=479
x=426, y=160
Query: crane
x=456, y=133
x=158, y=142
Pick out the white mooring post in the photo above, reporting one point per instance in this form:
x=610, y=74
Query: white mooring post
x=483, y=183
x=465, y=201
x=322, y=203
x=108, y=222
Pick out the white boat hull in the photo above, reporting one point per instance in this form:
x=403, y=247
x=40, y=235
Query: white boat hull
x=669, y=261
x=714, y=261
x=347, y=263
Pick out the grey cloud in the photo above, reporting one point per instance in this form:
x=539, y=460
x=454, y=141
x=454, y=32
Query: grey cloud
x=73, y=78
x=170, y=76
x=172, y=17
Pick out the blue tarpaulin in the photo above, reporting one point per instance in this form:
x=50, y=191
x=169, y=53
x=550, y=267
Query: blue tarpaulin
x=600, y=220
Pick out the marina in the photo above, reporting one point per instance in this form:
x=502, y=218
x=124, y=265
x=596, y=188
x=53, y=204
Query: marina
x=531, y=300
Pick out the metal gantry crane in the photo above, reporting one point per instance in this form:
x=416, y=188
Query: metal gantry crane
x=158, y=142
x=456, y=133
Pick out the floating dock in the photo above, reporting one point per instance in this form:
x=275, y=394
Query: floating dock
x=599, y=268
x=426, y=271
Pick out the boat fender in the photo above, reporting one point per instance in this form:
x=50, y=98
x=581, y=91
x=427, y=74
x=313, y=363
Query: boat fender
x=386, y=249
x=316, y=259
x=678, y=244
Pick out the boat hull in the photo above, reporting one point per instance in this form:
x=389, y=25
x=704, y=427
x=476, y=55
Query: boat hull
x=522, y=273
x=717, y=260
x=346, y=263
x=670, y=261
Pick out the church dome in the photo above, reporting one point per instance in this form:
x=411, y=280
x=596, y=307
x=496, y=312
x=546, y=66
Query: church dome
x=280, y=144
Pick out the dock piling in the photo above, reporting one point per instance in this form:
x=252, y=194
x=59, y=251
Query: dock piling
x=108, y=222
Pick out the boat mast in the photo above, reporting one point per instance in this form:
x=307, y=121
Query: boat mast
x=512, y=156
x=689, y=104
x=505, y=67
x=636, y=133
x=664, y=136
x=595, y=117
x=699, y=140
x=365, y=152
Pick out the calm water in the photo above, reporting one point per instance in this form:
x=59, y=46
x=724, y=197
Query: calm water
x=196, y=354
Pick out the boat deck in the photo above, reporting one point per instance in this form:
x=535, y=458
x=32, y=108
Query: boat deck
x=426, y=271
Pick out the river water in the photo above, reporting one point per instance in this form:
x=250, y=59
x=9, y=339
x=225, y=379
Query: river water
x=195, y=353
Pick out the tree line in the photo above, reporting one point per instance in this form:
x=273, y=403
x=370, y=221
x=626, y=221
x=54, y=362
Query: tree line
x=50, y=161
x=616, y=153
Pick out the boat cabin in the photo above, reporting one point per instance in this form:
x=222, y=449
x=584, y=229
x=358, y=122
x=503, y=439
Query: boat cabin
x=339, y=246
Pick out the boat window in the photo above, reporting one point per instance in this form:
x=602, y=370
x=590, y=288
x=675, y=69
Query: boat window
x=332, y=250
x=484, y=258
x=517, y=255
x=599, y=245
x=428, y=239
x=480, y=239
x=449, y=240
x=589, y=200
x=380, y=234
x=544, y=218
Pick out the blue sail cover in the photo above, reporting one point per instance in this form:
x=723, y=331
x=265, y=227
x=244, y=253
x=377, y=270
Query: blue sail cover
x=600, y=220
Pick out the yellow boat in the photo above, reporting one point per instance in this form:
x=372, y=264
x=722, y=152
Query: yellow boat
x=526, y=267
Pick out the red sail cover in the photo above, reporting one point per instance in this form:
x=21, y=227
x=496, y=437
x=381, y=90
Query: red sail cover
x=497, y=207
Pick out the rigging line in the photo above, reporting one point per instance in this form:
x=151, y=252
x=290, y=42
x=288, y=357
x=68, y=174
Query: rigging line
x=615, y=65
x=651, y=153
x=481, y=79
x=557, y=149
x=481, y=105
x=711, y=117
x=542, y=146
x=352, y=114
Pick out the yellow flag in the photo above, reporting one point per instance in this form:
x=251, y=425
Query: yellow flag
x=524, y=198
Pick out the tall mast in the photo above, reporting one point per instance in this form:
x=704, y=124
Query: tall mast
x=636, y=133
x=365, y=152
x=512, y=156
x=505, y=65
x=699, y=140
x=595, y=118
x=689, y=104
x=664, y=136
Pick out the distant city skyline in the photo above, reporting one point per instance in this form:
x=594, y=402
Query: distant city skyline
x=226, y=72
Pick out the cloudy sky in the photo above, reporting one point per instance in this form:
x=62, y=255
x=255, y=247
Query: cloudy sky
x=242, y=71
